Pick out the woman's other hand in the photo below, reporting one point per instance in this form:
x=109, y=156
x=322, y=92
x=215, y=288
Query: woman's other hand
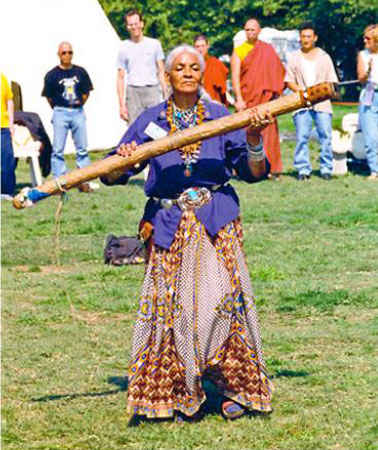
x=125, y=150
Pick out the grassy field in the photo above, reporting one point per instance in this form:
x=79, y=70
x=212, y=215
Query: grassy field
x=313, y=258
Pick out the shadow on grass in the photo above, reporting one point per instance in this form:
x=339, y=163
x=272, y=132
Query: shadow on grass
x=211, y=406
x=121, y=382
x=290, y=373
x=136, y=182
x=357, y=166
x=291, y=173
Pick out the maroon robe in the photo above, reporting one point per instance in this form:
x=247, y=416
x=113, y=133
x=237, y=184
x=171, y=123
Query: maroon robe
x=215, y=78
x=262, y=79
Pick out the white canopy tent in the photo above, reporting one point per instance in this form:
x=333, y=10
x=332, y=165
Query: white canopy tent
x=30, y=33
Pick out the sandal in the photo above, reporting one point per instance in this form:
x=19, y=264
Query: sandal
x=181, y=418
x=232, y=410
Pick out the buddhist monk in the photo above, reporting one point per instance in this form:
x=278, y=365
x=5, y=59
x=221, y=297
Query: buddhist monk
x=215, y=75
x=257, y=77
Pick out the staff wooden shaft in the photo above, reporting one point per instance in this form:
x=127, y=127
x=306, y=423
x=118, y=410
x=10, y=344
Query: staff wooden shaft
x=115, y=163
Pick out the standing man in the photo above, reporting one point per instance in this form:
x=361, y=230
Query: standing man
x=67, y=88
x=215, y=74
x=140, y=70
x=257, y=77
x=306, y=67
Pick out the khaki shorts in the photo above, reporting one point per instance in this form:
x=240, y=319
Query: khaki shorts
x=139, y=98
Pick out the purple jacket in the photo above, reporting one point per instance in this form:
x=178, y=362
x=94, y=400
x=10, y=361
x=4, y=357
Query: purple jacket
x=218, y=157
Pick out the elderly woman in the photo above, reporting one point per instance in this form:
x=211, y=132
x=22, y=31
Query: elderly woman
x=196, y=315
x=367, y=71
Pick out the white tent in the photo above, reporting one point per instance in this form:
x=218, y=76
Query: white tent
x=30, y=33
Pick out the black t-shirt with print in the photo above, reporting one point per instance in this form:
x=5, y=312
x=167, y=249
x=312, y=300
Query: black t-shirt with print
x=66, y=86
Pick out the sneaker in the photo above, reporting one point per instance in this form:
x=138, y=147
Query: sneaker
x=274, y=176
x=303, y=177
x=7, y=197
x=94, y=186
x=85, y=187
x=326, y=176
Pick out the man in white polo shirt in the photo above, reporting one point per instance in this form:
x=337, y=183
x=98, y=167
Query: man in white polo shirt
x=140, y=65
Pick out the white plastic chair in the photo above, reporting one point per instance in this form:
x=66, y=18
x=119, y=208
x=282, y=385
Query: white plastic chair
x=24, y=146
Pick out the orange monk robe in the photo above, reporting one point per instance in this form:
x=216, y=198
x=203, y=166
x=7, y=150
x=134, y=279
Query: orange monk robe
x=262, y=79
x=214, y=79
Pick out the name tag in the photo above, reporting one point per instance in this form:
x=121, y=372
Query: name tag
x=154, y=131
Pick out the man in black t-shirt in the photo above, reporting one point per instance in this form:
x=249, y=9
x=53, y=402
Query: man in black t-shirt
x=67, y=88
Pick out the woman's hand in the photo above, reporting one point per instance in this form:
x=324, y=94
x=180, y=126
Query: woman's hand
x=125, y=150
x=259, y=120
x=240, y=104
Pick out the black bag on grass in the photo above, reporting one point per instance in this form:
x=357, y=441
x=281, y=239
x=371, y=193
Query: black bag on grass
x=124, y=250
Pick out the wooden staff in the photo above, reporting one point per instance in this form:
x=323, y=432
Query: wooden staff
x=118, y=164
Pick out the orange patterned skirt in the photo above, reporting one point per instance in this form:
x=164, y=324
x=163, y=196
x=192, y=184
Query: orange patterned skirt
x=197, y=318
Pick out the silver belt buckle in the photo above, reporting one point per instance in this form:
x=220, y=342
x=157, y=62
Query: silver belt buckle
x=193, y=198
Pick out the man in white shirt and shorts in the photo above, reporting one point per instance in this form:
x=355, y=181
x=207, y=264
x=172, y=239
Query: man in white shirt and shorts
x=140, y=66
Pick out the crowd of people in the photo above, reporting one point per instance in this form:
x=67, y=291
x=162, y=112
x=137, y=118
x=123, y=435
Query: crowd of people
x=197, y=316
x=257, y=76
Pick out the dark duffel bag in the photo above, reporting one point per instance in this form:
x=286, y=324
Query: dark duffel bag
x=124, y=250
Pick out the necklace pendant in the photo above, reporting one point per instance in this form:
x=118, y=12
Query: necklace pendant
x=188, y=170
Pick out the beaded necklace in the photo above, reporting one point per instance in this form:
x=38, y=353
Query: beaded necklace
x=180, y=119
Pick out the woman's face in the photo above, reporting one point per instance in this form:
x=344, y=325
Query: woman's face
x=369, y=41
x=185, y=75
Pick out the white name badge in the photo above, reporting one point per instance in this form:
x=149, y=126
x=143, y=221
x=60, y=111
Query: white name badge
x=154, y=131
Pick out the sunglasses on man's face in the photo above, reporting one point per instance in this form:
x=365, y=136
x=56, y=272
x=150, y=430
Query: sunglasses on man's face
x=68, y=52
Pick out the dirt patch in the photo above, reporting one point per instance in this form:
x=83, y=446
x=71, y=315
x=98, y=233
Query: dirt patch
x=44, y=269
x=93, y=318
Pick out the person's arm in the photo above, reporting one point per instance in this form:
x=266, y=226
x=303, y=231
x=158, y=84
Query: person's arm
x=161, y=76
x=46, y=91
x=293, y=86
x=362, y=72
x=10, y=106
x=121, y=87
x=84, y=98
x=290, y=79
x=50, y=102
x=256, y=155
x=235, y=77
x=87, y=87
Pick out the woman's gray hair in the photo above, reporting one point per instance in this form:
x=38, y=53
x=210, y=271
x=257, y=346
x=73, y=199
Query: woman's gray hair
x=184, y=48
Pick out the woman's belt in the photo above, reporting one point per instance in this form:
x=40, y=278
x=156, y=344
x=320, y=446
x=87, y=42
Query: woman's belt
x=191, y=198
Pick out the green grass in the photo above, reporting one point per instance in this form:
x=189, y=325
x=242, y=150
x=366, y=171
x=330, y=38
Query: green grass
x=313, y=259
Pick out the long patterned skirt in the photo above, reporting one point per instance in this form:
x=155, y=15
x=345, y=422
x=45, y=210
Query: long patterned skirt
x=197, y=317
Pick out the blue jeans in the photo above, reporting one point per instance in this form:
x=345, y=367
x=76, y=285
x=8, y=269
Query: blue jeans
x=8, y=163
x=63, y=120
x=369, y=126
x=303, y=121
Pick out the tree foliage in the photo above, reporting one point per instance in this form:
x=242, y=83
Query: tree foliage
x=339, y=23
